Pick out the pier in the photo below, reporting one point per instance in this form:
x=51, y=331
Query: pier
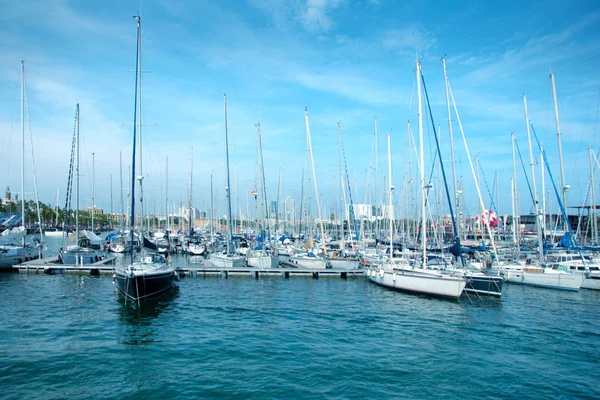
x=106, y=267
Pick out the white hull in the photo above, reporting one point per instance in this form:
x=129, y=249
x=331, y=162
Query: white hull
x=547, y=280
x=14, y=255
x=592, y=283
x=263, y=262
x=309, y=262
x=54, y=233
x=345, y=263
x=420, y=283
x=225, y=261
x=196, y=250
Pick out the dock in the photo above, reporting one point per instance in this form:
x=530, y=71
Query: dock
x=52, y=266
x=285, y=272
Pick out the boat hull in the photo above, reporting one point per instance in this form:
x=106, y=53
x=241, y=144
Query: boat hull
x=223, y=261
x=484, y=285
x=308, y=262
x=344, y=263
x=81, y=256
x=16, y=255
x=262, y=262
x=141, y=286
x=592, y=282
x=571, y=282
x=432, y=285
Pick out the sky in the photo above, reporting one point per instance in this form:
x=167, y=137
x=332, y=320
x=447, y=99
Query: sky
x=346, y=61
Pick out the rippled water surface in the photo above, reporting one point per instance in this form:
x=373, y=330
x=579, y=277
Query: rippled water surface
x=73, y=337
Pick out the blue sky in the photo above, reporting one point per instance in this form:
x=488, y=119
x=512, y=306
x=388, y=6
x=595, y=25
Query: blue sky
x=344, y=60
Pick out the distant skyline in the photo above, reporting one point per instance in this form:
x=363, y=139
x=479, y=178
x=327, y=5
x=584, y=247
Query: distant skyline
x=347, y=61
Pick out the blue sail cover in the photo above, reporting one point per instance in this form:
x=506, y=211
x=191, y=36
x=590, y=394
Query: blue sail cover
x=565, y=241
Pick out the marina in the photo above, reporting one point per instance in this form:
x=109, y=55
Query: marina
x=323, y=199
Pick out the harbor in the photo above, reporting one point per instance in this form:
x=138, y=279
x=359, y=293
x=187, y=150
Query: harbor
x=308, y=199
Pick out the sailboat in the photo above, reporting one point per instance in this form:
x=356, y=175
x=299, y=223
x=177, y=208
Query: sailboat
x=88, y=247
x=227, y=259
x=259, y=257
x=400, y=273
x=148, y=274
x=13, y=249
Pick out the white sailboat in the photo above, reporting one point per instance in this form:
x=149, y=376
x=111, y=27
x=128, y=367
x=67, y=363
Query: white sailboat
x=88, y=246
x=228, y=259
x=398, y=273
x=540, y=276
x=260, y=257
x=13, y=249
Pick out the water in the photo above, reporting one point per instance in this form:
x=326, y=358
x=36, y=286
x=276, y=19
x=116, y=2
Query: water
x=67, y=336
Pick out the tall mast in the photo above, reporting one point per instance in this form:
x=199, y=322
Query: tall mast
x=451, y=142
x=22, y=144
x=212, y=207
x=376, y=167
x=593, y=213
x=543, y=209
x=535, y=194
x=422, y=168
x=137, y=68
x=167, y=193
x=77, y=178
x=229, y=228
x=190, y=192
x=312, y=161
x=391, y=188
x=93, y=187
x=121, y=186
x=565, y=187
x=515, y=224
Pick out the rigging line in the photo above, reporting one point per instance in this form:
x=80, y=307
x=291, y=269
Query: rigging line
x=560, y=203
x=581, y=63
x=525, y=172
x=439, y=152
x=493, y=206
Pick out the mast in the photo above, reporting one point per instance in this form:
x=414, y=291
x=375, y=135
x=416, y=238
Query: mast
x=593, y=213
x=312, y=160
x=190, y=193
x=56, y=208
x=167, y=194
x=543, y=190
x=137, y=68
x=451, y=142
x=23, y=144
x=212, y=208
x=111, y=202
x=121, y=185
x=93, y=181
x=391, y=188
x=515, y=224
x=264, y=208
x=77, y=179
x=422, y=168
x=565, y=187
x=376, y=168
x=229, y=228
x=535, y=194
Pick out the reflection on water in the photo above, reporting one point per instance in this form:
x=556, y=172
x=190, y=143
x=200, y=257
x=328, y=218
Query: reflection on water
x=140, y=322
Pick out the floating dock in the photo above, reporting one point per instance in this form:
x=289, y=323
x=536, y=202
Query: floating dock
x=201, y=271
x=52, y=266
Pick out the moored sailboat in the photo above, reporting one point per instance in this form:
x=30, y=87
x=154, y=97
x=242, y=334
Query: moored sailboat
x=148, y=274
